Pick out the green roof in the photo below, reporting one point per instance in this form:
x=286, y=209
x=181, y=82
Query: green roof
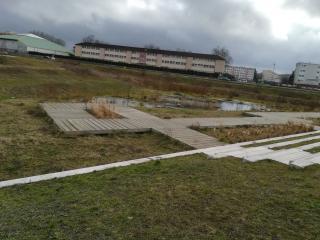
x=34, y=41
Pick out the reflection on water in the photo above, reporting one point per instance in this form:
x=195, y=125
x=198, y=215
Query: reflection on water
x=169, y=102
x=237, y=106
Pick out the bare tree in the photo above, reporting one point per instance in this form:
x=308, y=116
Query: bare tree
x=151, y=46
x=49, y=37
x=89, y=39
x=223, y=52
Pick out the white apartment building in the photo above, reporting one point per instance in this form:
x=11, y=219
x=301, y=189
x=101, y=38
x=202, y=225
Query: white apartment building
x=307, y=74
x=241, y=74
x=199, y=62
x=270, y=76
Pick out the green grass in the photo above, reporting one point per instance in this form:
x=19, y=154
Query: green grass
x=296, y=145
x=31, y=145
x=280, y=141
x=168, y=113
x=184, y=198
x=314, y=150
x=316, y=121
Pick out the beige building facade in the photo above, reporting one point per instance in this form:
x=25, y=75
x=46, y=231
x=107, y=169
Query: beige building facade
x=241, y=74
x=270, y=76
x=207, y=63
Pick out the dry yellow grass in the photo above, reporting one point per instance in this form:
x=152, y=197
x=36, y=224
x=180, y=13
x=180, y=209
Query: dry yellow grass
x=103, y=110
x=245, y=134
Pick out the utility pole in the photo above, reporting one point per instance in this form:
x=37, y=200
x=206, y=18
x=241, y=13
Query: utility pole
x=273, y=72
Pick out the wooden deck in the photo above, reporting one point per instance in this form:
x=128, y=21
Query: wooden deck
x=72, y=118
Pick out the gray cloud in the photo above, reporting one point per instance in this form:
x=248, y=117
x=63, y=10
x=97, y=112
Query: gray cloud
x=188, y=24
x=311, y=6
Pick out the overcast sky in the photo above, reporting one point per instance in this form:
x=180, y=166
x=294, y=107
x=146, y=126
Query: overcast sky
x=258, y=33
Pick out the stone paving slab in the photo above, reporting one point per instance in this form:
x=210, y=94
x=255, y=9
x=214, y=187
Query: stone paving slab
x=287, y=143
x=309, y=147
x=295, y=157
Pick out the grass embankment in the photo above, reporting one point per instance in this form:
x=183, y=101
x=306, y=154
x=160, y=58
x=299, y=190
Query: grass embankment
x=296, y=145
x=246, y=134
x=314, y=150
x=184, y=198
x=44, y=79
x=168, y=113
x=280, y=141
x=316, y=121
x=31, y=145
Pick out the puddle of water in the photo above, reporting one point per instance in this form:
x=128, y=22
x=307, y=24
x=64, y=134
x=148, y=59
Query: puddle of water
x=183, y=102
x=240, y=107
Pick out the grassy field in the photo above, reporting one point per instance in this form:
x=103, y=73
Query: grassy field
x=252, y=133
x=184, y=198
x=30, y=144
x=62, y=79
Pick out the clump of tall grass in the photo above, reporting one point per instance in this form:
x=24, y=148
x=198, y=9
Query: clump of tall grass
x=252, y=133
x=102, y=110
x=3, y=60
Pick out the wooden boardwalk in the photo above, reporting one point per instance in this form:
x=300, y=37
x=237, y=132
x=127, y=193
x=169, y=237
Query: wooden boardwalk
x=72, y=118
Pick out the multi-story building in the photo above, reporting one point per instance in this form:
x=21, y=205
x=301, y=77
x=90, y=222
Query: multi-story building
x=178, y=60
x=241, y=74
x=307, y=74
x=269, y=76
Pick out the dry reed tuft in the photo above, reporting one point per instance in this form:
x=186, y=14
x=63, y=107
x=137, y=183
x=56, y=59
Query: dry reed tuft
x=103, y=110
x=245, y=134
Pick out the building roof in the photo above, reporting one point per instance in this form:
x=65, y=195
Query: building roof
x=34, y=41
x=149, y=50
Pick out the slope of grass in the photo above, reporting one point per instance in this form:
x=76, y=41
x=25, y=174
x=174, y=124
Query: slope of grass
x=280, y=141
x=252, y=133
x=314, y=150
x=296, y=145
x=316, y=121
x=30, y=144
x=184, y=198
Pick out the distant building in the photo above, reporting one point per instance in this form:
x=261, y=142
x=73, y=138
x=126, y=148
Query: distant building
x=30, y=43
x=271, y=77
x=241, y=74
x=307, y=74
x=178, y=60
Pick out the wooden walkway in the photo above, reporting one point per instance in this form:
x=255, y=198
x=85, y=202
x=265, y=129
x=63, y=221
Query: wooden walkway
x=72, y=118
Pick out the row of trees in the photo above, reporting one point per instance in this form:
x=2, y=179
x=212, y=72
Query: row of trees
x=49, y=37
